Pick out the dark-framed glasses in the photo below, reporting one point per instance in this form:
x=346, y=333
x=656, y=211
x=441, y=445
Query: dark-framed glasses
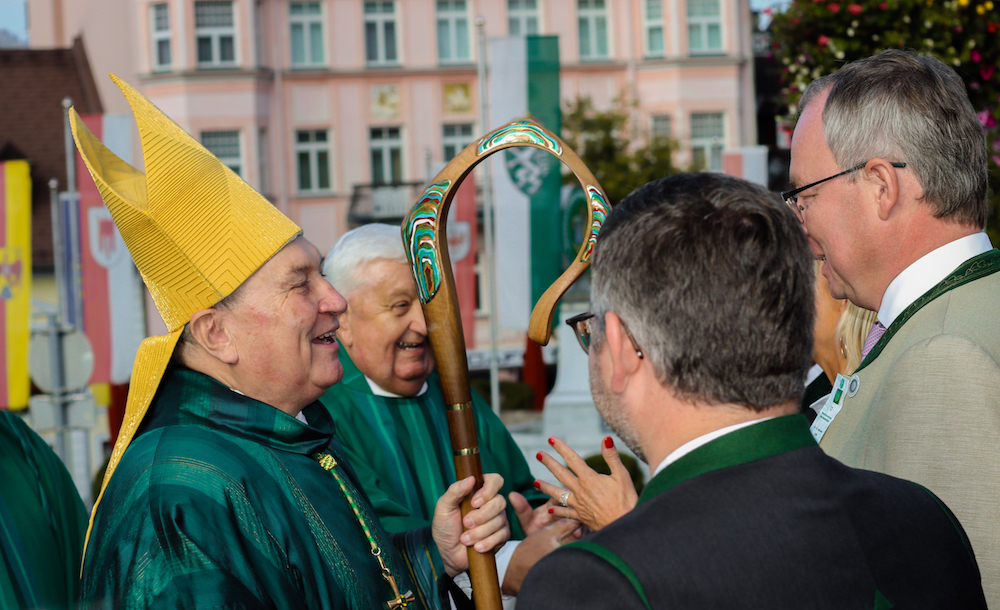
x=791, y=198
x=581, y=325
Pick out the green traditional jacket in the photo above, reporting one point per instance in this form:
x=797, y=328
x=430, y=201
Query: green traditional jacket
x=42, y=522
x=220, y=502
x=401, y=450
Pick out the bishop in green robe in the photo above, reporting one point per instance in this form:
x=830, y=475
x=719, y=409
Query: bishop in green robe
x=221, y=502
x=400, y=449
x=42, y=522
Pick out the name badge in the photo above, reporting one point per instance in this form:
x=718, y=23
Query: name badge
x=833, y=403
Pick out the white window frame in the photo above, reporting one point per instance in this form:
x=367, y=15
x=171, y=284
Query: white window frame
x=453, y=18
x=654, y=28
x=311, y=26
x=216, y=34
x=383, y=21
x=661, y=126
x=315, y=151
x=457, y=136
x=704, y=24
x=386, y=144
x=522, y=17
x=160, y=35
x=710, y=144
x=211, y=139
x=593, y=13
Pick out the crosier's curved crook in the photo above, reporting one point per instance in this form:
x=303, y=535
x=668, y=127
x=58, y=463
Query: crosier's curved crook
x=425, y=239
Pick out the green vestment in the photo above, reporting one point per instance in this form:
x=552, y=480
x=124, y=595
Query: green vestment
x=219, y=502
x=401, y=451
x=42, y=522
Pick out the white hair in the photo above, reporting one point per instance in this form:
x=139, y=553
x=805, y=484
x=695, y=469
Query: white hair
x=358, y=247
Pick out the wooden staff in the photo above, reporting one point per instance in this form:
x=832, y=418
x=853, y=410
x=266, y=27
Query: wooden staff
x=425, y=239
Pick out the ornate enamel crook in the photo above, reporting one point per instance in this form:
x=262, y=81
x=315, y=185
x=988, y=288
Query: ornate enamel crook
x=425, y=239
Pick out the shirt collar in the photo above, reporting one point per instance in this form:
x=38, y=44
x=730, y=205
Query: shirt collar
x=704, y=439
x=376, y=390
x=927, y=272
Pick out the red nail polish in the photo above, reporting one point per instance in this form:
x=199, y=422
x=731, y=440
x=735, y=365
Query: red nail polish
x=538, y=456
x=608, y=442
x=552, y=441
x=538, y=485
x=552, y=511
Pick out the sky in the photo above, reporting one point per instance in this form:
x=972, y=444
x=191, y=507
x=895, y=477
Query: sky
x=12, y=17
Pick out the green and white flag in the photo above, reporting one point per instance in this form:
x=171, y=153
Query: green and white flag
x=524, y=82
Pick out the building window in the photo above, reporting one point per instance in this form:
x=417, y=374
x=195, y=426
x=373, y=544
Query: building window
x=161, y=37
x=661, y=127
x=262, y=161
x=380, y=33
x=225, y=145
x=592, y=19
x=654, y=28
x=312, y=153
x=306, y=22
x=704, y=27
x=215, y=34
x=452, y=32
x=387, y=155
x=522, y=17
x=455, y=138
x=706, y=141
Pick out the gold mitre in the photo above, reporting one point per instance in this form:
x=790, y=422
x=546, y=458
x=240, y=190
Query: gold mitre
x=194, y=228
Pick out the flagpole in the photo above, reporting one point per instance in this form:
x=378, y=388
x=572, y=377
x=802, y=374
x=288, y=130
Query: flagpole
x=488, y=223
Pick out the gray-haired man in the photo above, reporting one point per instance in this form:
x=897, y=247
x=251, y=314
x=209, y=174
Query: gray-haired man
x=901, y=233
x=700, y=339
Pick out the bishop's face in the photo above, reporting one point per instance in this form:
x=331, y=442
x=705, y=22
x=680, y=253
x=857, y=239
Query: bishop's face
x=384, y=331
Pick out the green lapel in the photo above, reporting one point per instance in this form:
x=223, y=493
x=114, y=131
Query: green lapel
x=971, y=270
x=756, y=442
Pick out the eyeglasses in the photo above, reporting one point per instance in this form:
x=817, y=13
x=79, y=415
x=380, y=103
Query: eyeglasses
x=792, y=197
x=581, y=324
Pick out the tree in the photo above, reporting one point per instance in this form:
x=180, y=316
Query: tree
x=813, y=38
x=603, y=141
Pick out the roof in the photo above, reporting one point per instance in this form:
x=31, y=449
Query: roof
x=35, y=81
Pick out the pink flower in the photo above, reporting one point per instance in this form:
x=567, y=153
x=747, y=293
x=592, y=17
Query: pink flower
x=884, y=5
x=975, y=56
x=996, y=160
x=833, y=7
x=987, y=72
x=854, y=8
x=986, y=118
x=822, y=40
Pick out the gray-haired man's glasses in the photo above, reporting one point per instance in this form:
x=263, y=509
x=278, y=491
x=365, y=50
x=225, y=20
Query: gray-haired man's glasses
x=792, y=197
x=581, y=324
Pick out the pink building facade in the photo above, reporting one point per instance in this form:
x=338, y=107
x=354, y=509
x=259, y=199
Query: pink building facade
x=319, y=103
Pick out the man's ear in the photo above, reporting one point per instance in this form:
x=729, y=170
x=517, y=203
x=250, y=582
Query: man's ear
x=624, y=359
x=881, y=176
x=208, y=330
x=344, y=334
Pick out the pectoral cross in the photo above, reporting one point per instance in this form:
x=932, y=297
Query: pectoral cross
x=402, y=600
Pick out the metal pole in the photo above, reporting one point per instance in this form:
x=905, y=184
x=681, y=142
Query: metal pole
x=72, y=224
x=488, y=222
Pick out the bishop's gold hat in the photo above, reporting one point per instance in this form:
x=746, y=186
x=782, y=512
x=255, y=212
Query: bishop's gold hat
x=194, y=228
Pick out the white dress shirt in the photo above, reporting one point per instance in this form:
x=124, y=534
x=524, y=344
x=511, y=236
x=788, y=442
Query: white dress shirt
x=926, y=272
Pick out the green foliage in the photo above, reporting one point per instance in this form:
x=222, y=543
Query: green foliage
x=603, y=140
x=813, y=38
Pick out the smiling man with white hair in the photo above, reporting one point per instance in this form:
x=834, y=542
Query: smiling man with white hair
x=389, y=408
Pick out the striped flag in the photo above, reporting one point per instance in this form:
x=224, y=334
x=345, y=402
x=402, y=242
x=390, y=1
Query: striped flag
x=113, y=306
x=15, y=283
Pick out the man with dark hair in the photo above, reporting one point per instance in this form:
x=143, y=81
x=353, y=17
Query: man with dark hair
x=891, y=163
x=699, y=341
